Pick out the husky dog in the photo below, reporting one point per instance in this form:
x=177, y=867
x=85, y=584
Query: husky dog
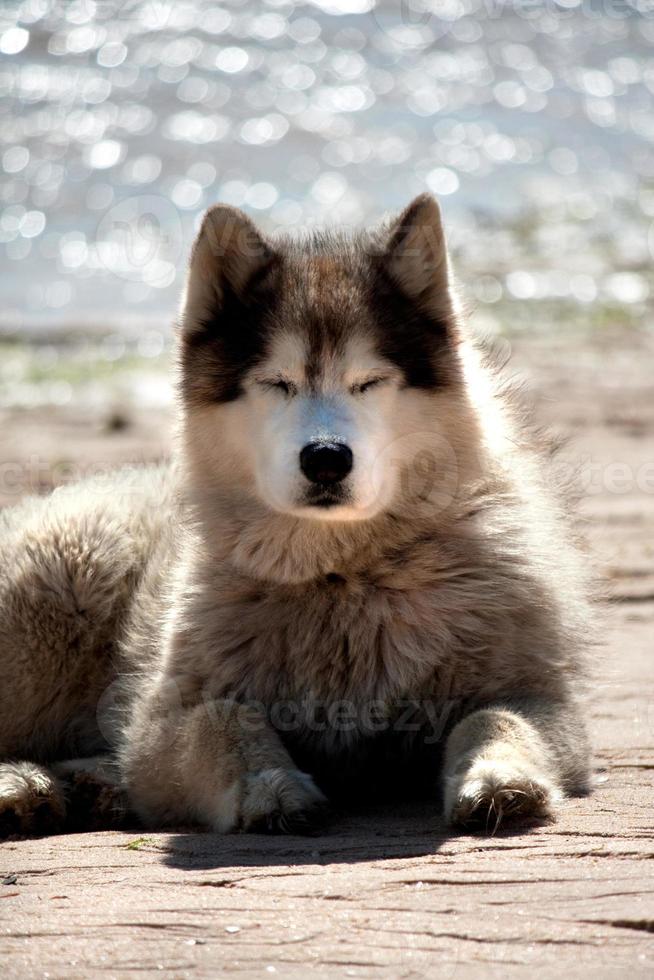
x=353, y=580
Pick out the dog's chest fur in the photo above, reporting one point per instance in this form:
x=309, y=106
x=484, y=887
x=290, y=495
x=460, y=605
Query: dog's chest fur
x=339, y=638
x=437, y=619
x=398, y=630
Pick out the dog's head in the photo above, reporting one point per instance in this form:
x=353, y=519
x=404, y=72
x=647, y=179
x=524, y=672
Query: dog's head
x=321, y=376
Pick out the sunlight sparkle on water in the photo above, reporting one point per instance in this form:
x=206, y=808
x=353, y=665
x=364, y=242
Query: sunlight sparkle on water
x=324, y=111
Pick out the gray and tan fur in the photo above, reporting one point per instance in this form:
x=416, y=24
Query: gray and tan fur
x=354, y=578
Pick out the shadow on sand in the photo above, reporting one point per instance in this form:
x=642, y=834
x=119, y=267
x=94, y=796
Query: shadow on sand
x=389, y=833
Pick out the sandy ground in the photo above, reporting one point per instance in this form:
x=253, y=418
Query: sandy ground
x=390, y=894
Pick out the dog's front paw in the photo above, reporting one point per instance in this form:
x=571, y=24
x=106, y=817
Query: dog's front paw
x=31, y=801
x=282, y=801
x=490, y=795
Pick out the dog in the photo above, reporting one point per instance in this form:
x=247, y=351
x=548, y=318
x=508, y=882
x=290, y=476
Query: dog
x=353, y=580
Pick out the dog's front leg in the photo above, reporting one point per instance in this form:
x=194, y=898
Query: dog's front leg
x=217, y=763
x=513, y=760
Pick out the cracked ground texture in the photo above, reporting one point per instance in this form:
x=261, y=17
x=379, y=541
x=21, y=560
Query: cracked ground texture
x=390, y=893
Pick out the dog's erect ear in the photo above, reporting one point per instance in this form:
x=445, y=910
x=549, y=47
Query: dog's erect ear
x=229, y=253
x=416, y=257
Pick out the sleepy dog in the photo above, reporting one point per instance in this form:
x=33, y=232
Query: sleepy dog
x=354, y=578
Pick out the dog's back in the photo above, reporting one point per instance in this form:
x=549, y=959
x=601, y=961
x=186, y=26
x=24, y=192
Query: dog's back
x=70, y=566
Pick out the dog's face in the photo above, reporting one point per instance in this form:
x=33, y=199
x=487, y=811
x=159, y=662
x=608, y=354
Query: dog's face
x=321, y=376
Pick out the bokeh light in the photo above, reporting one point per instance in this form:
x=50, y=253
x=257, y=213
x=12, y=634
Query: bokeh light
x=533, y=123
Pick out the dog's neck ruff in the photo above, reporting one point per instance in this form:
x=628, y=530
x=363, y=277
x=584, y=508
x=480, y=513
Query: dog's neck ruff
x=280, y=549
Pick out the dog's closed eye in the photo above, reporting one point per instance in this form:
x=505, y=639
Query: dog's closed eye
x=364, y=386
x=280, y=384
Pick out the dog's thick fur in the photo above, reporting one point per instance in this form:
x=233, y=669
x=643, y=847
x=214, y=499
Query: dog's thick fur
x=223, y=643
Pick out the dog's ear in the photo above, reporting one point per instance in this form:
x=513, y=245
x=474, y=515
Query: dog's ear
x=229, y=253
x=415, y=255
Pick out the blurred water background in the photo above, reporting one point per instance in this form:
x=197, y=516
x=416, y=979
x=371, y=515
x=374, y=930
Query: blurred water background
x=532, y=121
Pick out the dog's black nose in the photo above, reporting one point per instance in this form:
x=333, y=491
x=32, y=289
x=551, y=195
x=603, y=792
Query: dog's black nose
x=326, y=462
